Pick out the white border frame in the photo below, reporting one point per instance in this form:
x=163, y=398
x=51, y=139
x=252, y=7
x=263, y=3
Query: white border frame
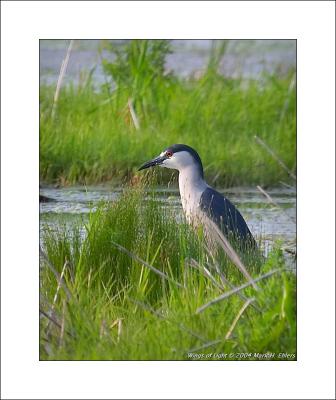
x=312, y=23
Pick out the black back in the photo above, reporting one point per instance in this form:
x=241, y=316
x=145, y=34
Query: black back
x=227, y=217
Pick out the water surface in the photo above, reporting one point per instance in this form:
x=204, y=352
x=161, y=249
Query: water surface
x=268, y=222
x=243, y=58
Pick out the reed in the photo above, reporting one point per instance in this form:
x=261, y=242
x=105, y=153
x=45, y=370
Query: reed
x=124, y=290
x=104, y=133
x=61, y=77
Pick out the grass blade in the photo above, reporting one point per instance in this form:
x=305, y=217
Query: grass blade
x=231, y=253
x=61, y=76
x=277, y=158
x=54, y=271
x=236, y=290
x=240, y=312
x=141, y=261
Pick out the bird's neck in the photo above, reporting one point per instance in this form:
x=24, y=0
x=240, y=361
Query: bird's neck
x=190, y=176
x=191, y=185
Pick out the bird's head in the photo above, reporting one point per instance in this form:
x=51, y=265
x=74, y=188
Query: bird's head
x=177, y=156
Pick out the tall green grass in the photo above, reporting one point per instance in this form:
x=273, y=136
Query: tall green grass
x=110, y=304
x=92, y=136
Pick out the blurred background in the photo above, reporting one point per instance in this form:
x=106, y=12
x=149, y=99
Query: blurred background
x=106, y=106
x=243, y=58
x=216, y=95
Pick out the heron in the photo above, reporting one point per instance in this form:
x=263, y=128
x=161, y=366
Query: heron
x=202, y=204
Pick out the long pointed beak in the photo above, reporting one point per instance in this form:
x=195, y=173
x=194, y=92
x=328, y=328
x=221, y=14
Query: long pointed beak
x=156, y=161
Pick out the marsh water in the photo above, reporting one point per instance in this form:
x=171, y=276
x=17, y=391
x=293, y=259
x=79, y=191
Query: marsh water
x=268, y=221
x=243, y=58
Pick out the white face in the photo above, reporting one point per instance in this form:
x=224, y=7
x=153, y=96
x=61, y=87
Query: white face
x=178, y=160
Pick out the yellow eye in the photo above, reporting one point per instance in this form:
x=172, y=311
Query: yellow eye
x=169, y=154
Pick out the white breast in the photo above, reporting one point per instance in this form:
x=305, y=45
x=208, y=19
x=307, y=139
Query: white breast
x=191, y=189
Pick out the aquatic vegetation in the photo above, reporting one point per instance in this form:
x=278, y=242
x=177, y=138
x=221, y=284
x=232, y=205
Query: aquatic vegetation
x=99, y=135
x=138, y=286
x=128, y=282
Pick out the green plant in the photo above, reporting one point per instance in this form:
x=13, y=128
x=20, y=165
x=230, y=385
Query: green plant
x=132, y=287
x=138, y=73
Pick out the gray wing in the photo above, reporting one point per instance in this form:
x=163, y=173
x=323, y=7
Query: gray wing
x=226, y=216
